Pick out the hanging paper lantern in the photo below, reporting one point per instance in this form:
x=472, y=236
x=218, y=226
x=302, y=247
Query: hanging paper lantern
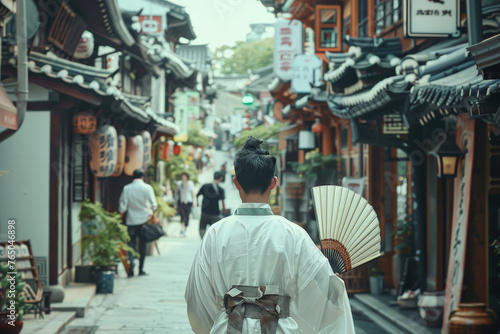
x=317, y=127
x=84, y=123
x=134, y=154
x=146, y=139
x=103, y=148
x=177, y=149
x=120, y=156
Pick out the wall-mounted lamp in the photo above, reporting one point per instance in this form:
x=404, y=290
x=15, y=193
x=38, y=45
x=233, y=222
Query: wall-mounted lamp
x=447, y=155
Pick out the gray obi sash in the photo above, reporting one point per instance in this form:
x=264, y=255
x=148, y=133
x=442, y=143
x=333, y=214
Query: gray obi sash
x=255, y=302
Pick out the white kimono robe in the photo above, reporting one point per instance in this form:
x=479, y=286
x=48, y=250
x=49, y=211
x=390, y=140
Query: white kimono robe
x=255, y=247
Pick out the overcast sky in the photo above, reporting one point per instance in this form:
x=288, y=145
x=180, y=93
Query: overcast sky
x=219, y=22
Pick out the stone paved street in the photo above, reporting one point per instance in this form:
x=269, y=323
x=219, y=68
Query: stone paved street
x=155, y=303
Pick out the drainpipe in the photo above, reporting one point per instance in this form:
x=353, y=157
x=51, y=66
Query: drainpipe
x=22, y=68
x=474, y=21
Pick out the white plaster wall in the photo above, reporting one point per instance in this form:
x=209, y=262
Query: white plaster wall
x=24, y=186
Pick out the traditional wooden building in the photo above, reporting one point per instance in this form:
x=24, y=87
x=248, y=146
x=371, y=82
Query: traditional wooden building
x=420, y=124
x=98, y=84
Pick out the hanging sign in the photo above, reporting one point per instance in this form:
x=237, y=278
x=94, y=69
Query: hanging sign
x=444, y=15
x=306, y=73
x=84, y=123
x=134, y=154
x=146, y=138
x=461, y=204
x=120, y=156
x=287, y=43
x=103, y=147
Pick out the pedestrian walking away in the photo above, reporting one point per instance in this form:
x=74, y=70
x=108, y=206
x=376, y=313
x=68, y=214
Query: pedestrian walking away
x=185, y=196
x=260, y=273
x=212, y=193
x=137, y=205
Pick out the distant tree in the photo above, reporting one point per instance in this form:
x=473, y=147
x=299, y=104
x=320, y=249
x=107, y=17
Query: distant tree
x=243, y=56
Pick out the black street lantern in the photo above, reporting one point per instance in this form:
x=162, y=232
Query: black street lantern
x=447, y=155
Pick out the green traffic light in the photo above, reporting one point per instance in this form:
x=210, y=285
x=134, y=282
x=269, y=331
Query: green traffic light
x=248, y=99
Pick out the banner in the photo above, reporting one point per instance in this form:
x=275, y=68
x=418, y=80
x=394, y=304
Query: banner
x=461, y=204
x=287, y=43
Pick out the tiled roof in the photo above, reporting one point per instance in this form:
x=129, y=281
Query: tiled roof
x=95, y=81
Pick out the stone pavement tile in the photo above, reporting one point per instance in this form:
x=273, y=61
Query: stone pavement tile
x=50, y=324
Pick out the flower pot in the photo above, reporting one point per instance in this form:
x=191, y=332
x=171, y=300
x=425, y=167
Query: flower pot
x=472, y=318
x=431, y=308
x=104, y=281
x=6, y=328
x=376, y=284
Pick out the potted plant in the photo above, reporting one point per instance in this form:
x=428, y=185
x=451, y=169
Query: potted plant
x=107, y=237
x=12, y=301
x=376, y=282
x=322, y=169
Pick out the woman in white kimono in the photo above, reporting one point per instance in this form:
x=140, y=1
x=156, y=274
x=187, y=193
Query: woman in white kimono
x=260, y=273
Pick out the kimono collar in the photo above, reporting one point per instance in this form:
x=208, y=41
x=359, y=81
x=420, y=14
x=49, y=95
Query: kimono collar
x=254, y=209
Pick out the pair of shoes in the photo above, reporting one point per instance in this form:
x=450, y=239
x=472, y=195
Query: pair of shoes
x=143, y=273
x=131, y=274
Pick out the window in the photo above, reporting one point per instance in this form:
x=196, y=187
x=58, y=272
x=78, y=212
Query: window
x=387, y=13
x=329, y=28
x=363, y=18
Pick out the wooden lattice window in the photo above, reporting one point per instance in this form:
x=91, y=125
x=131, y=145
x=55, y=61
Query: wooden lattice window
x=387, y=13
x=67, y=29
x=328, y=28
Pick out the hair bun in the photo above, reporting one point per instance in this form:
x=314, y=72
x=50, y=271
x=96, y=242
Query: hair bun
x=253, y=144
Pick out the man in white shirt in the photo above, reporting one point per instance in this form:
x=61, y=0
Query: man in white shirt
x=139, y=202
x=260, y=273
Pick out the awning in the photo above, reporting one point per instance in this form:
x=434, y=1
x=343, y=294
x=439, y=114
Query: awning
x=8, y=112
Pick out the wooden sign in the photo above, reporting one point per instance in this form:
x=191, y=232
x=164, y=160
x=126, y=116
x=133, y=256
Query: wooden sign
x=461, y=204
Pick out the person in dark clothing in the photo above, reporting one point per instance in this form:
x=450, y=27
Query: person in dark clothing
x=212, y=193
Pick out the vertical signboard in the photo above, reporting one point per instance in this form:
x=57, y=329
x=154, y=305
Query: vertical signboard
x=306, y=73
x=461, y=204
x=287, y=43
x=181, y=116
x=444, y=16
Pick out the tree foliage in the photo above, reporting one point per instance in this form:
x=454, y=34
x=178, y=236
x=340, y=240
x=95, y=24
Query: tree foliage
x=241, y=57
x=195, y=137
x=262, y=131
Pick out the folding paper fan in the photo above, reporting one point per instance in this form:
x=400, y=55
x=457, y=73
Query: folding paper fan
x=348, y=227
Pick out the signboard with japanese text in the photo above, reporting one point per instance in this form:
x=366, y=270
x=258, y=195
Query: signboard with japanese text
x=186, y=109
x=433, y=18
x=461, y=204
x=287, y=43
x=306, y=73
x=151, y=24
x=8, y=112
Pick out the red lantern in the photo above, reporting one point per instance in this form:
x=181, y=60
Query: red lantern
x=177, y=149
x=84, y=123
x=317, y=127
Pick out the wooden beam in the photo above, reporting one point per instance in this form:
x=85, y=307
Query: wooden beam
x=53, y=195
